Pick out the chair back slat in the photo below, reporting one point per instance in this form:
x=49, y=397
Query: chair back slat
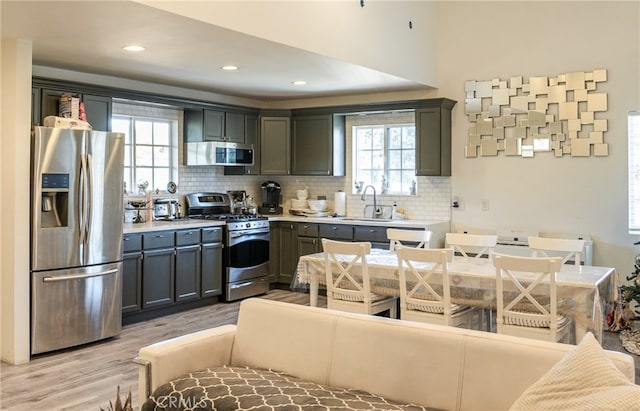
x=461, y=243
x=396, y=236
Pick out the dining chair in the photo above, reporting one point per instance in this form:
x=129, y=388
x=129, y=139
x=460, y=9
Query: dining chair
x=573, y=248
x=527, y=304
x=348, y=282
x=477, y=244
x=425, y=293
x=397, y=235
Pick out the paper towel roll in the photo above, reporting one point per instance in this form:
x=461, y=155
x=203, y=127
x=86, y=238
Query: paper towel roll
x=340, y=203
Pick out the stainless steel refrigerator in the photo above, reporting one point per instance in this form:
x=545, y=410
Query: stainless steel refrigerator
x=76, y=237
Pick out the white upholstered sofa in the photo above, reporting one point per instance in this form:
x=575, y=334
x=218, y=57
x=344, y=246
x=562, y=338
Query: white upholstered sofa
x=433, y=366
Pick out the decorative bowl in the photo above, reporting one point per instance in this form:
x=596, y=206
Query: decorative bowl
x=317, y=205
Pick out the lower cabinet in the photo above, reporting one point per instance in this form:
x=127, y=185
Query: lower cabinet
x=166, y=268
x=131, y=282
x=158, y=273
x=188, y=272
x=288, y=252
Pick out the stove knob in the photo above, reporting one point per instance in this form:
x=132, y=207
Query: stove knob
x=248, y=225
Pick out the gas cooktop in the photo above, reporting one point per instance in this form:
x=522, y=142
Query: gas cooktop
x=215, y=206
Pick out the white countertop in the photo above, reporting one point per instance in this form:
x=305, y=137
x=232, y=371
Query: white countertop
x=129, y=228
x=188, y=223
x=358, y=221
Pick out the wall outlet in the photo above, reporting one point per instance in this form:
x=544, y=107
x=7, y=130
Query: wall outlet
x=485, y=205
x=457, y=203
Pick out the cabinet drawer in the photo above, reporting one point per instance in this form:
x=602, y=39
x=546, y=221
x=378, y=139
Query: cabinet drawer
x=212, y=235
x=307, y=230
x=188, y=237
x=131, y=242
x=370, y=233
x=158, y=239
x=336, y=231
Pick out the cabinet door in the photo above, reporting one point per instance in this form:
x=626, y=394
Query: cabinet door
x=50, y=103
x=433, y=142
x=131, y=282
x=308, y=245
x=274, y=251
x=187, y=273
x=251, y=137
x=336, y=231
x=288, y=253
x=213, y=125
x=193, y=125
x=36, y=97
x=98, y=110
x=312, y=145
x=158, y=272
x=234, y=128
x=211, y=269
x=275, y=145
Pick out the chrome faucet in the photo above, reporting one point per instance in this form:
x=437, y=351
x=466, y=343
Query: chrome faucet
x=375, y=203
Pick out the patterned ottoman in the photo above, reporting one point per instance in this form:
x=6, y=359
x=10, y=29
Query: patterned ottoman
x=243, y=388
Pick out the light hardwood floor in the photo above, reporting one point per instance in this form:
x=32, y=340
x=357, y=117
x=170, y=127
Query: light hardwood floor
x=85, y=378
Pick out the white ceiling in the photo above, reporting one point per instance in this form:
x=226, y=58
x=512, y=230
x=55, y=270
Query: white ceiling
x=88, y=36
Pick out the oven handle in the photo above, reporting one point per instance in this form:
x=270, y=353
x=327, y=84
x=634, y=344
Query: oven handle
x=247, y=233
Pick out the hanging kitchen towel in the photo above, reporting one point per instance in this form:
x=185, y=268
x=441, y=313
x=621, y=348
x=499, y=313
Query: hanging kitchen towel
x=340, y=203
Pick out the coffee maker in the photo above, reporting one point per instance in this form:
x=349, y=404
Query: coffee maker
x=270, y=198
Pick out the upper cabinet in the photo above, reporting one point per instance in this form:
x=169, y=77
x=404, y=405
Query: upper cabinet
x=433, y=132
x=318, y=145
x=46, y=102
x=215, y=125
x=275, y=145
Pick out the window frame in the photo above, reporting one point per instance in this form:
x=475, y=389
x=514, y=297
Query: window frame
x=633, y=130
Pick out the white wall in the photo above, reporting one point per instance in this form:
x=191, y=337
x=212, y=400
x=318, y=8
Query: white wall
x=14, y=181
x=486, y=40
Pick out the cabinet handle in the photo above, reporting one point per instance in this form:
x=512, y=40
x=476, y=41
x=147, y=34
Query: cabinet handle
x=334, y=228
x=372, y=231
x=125, y=239
x=159, y=236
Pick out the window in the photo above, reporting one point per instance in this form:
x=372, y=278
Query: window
x=385, y=158
x=634, y=172
x=148, y=151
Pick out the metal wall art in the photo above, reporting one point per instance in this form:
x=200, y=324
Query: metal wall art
x=521, y=118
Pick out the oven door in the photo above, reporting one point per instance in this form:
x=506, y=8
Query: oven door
x=247, y=254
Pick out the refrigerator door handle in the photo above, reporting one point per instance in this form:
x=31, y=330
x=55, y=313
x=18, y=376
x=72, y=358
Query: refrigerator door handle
x=50, y=279
x=81, y=200
x=89, y=196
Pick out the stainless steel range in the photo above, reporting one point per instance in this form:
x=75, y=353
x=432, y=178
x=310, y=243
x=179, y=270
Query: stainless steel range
x=246, y=245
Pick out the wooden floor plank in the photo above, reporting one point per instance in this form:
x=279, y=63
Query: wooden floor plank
x=85, y=378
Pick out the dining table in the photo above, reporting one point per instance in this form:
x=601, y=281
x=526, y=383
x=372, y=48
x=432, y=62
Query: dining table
x=584, y=292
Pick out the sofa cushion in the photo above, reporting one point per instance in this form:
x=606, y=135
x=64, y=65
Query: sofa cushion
x=584, y=379
x=243, y=388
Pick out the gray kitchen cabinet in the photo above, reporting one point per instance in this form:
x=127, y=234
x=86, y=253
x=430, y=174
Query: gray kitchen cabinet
x=158, y=277
x=433, y=138
x=131, y=273
x=36, y=98
x=318, y=145
x=188, y=273
x=275, y=145
x=214, y=125
x=283, y=252
x=211, y=262
x=308, y=241
x=188, y=266
x=340, y=232
x=377, y=235
x=97, y=108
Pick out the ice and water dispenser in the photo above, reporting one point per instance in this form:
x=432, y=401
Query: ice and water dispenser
x=55, y=200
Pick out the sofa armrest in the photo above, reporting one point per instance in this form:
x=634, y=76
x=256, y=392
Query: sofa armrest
x=166, y=360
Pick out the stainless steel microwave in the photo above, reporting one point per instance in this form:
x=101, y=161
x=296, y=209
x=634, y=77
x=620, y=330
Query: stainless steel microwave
x=219, y=153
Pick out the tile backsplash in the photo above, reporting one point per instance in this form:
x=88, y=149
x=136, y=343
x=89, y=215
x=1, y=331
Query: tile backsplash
x=433, y=200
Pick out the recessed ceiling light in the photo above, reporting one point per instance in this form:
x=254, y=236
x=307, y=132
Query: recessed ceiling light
x=229, y=68
x=133, y=48
x=299, y=82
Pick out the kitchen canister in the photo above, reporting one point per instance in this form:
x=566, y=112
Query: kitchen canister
x=340, y=203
